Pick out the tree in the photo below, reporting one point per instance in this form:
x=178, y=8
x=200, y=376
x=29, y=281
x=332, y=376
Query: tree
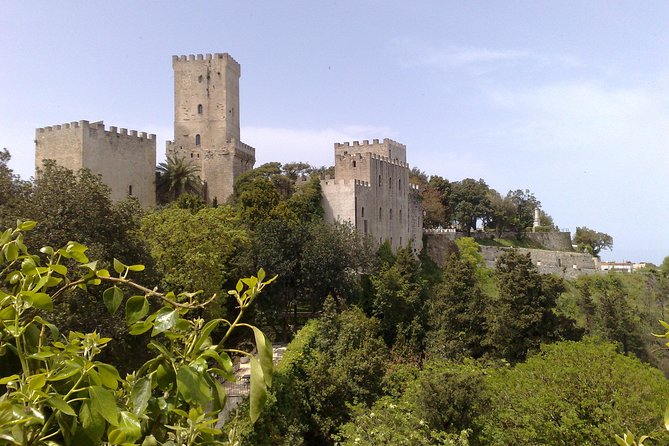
x=176, y=176
x=523, y=203
x=400, y=294
x=574, y=393
x=332, y=361
x=522, y=316
x=13, y=191
x=470, y=202
x=60, y=391
x=195, y=251
x=591, y=241
x=456, y=313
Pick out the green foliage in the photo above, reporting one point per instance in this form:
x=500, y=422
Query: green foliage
x=456, y=313
x=61, y=393
x=591, y=241
x=470, y=202
x=449, y=396
x=393, y=423
x=13, y=192
x=333, y=360
x=399, y=300
x=177, y=176
x=575, y=393
x=195, y=250
x=522, y=316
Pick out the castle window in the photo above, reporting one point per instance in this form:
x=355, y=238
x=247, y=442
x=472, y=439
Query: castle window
x=199, y=78
x=191, y=154
x=380, y=214
x=379, y=180
x=362, y=212
x=390, y=215
x=197, y=140
x=130, y=190
x=199, y=109
x=353, y=163
x=400, y=215
x=390, y=182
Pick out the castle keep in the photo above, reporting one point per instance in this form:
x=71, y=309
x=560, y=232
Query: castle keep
x=206, y=121
x=126, y=160
x=371, y=191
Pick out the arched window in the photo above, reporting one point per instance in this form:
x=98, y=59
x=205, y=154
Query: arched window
x=130, y=189
x=199, y=109
x=379, y=180
x=353, y=163
x=197, y=140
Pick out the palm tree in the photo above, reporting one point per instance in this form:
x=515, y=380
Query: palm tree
x=175, y=177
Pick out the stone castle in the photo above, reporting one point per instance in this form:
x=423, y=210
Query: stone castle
x=370, y=190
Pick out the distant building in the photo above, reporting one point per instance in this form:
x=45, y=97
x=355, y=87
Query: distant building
x=624, y=267
x=371, y=191
x=126, y=160
x=206, y=121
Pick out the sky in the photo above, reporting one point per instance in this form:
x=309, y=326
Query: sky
x=568, y=99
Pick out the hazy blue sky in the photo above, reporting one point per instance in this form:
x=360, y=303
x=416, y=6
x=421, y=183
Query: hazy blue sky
x=567, y=99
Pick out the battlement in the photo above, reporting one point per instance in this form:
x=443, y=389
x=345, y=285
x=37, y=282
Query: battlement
x=97, y=126
x=387, y=148
x=359, y=156
x=181, y=59
x=334, y=182
x=365, y=142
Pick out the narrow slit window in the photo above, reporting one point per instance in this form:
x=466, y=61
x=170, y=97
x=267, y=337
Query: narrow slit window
x=130, y=190
x=199, y=109
x=197, y=140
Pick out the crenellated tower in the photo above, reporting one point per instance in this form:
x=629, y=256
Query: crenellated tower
x=206, y=120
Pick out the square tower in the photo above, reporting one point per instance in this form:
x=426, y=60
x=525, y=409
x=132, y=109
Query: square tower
x=206, y=120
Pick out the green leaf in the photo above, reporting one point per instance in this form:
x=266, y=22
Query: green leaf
x=258, y=392
x=140, y=327
x=166, y=317
x=61, y=404
x=11, y=251
x=136, y=307
x=108, y=375
x=665, y=325
x=192, y=386
x=104, y=403
x=112, y=297
x=27, y=225
x=264, y=347
x=206, y=331
x=261, y=274
x=36, y=382
x=60, y=269
x=136, y=267
x=127, y=431
x=42, y=301
x=223, y=360
x=7, y=379
x=140, y=395
x=119, y=267
x=92, y=422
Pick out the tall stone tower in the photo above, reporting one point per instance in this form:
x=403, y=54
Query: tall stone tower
x=206, y=120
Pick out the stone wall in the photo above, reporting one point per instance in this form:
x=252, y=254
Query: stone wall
x=563, y=263
x=126, y=160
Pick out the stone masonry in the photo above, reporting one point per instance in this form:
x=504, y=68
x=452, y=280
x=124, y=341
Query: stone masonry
x=371, y=191
x=206, y=121
x=126, y=160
